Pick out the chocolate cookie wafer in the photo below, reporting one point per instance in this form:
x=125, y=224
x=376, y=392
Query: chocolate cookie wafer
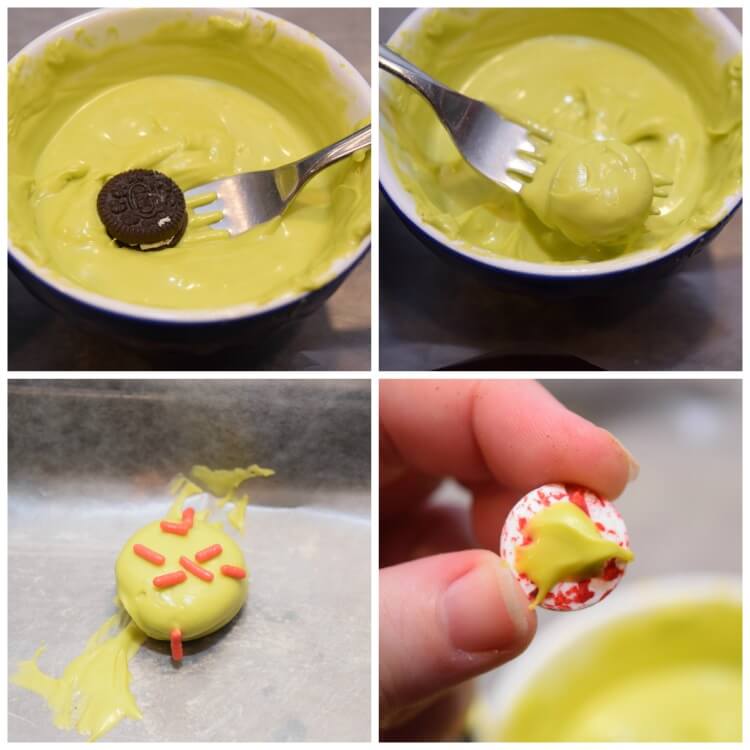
x=143, y=209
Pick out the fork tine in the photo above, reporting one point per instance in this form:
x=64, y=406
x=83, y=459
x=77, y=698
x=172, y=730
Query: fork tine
x=207, y=234
x=533, y=155
x=512, y=184
x=521, y=167
x=527, y=148
x=214, y=205
x=199, y=199
x=540, y=132
x=205, y=218
x=661, y=180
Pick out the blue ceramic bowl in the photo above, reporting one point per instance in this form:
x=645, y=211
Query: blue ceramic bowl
x=199, y=331
x=509, y=273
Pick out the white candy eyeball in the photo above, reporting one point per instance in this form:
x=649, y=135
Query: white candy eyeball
x=567, y=547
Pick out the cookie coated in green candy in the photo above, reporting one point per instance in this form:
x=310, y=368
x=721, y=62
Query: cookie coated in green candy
x=196, y=607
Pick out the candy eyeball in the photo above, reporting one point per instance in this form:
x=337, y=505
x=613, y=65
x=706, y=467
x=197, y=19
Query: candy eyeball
x=568, y=548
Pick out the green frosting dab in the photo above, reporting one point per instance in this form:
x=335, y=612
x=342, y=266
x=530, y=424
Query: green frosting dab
x=196, y=99
x=646, y=117
x=565, y=546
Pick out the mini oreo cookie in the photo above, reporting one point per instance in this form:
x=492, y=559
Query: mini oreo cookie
x=142, y=209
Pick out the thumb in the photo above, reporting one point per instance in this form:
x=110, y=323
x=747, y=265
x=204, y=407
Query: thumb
x=444, y=619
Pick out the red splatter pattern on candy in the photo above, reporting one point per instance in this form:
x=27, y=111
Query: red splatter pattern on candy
x=611, y=570
x=570, y=595
x=577, y=496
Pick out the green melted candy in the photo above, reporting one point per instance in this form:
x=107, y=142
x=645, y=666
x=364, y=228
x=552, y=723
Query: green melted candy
x=669, y=675
x=565, y=546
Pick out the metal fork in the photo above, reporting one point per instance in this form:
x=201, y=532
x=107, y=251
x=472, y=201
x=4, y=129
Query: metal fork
x=499, y=149
x=239, y=203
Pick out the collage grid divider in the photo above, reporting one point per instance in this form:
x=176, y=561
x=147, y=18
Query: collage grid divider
x=374, y=375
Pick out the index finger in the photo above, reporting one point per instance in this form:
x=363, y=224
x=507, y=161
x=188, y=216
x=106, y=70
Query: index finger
x=511, y=432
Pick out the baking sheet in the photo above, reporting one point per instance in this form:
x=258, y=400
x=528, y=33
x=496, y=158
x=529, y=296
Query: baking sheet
x=89, y=463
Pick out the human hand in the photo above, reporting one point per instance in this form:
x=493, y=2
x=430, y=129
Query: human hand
x=450, y=611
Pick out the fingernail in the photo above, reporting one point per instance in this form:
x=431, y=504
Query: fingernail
x=485, y=610
x=634, y=467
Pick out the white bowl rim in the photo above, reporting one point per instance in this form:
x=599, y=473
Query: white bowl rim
x=339, y=65
x=405, y=204
x=503, y=688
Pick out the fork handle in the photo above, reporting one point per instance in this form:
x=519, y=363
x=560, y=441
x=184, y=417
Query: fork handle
x=311, y=165
x=426, y=85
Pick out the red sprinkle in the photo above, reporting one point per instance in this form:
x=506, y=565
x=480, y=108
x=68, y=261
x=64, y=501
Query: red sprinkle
x=175, y=528
x=187, y=516
x=208, y=553
x=175, y=639
x=169, y=579
x=196, y=570
x=233, y=571
x=148, y=554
